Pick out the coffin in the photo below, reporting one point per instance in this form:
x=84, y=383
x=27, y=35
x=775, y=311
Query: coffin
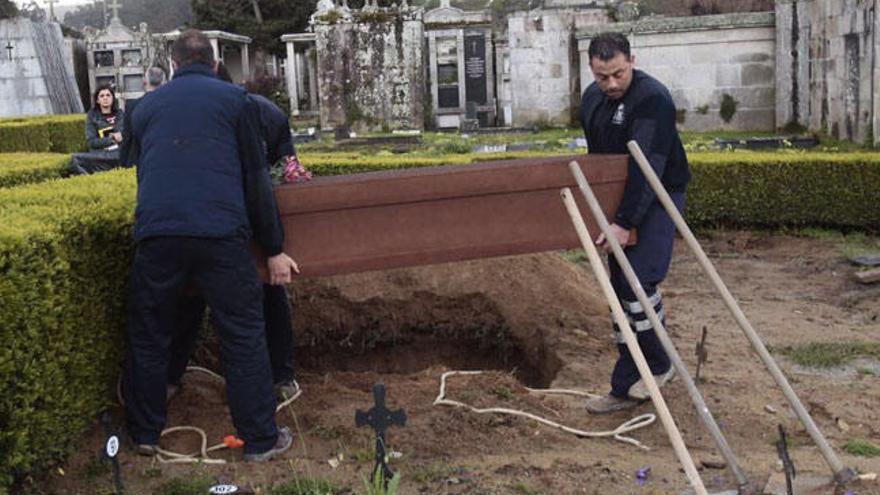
x=381, y=220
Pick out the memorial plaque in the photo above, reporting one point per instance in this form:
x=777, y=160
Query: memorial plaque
x=475, y=69
x=447, y=97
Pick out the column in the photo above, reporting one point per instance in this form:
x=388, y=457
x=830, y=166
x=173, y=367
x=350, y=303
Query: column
x=432, y=71
x=216, y=47
x=292, y=89
x=314, y=103
x=245, y=62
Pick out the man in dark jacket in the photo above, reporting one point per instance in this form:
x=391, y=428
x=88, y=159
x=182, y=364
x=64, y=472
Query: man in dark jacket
x=625, y=104
x=203, y=192
x=153, y=78
x=278, y=143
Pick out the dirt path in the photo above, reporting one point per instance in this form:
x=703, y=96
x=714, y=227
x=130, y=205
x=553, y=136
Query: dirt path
x=539, y=321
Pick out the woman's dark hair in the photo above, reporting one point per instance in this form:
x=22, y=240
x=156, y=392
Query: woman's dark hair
x=102, y=87
x=607, y=45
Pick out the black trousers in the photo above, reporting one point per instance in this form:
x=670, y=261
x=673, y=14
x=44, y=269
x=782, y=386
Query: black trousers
x=225, y=273
x=650, y=259
x=279, y=333
x=93, y=161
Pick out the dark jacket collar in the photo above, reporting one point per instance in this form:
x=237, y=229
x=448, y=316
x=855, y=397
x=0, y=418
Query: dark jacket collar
x=199, y=69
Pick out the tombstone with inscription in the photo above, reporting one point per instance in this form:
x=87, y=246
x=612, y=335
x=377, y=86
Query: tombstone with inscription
x=119, y=56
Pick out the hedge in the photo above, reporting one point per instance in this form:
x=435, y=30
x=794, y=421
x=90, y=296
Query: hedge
x=65, y=251
x=56, y=133
x=746, y=189
x=24, y=168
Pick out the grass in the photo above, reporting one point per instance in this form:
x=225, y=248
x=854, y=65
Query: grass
x=849, y=244
x=306, y=487
x=197, y=482
x=862, y=448
x=829, y=354
x=575, y=256
x=432, y=473
x=525, y=489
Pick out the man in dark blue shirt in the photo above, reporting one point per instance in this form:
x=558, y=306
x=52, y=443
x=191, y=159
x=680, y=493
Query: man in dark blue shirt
x=625, y=104
x=203, y=193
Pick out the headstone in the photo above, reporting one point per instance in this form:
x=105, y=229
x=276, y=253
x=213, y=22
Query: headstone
x=490, y=148
x=475, y=69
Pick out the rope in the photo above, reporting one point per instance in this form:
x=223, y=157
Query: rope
x=171, y=457
x=617, y=433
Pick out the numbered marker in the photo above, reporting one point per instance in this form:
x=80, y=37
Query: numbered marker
x=112, y=447
x=223, y=489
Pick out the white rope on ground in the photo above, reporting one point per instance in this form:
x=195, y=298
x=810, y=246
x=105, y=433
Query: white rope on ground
x=171, y=457
x=617, y=433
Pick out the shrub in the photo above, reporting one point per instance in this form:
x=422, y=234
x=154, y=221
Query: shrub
x=785, y=189
x=65, y=251
x=58, y=133
x=24, y=168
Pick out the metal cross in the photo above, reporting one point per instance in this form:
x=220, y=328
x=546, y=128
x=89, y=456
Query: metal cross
x=380, y=418
x=787, y=465
x=114, y=5
x=9, y=48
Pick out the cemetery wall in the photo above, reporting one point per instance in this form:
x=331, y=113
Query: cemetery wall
x=827, y=71
x=711, y=65
x=36, y=73
x=371, y=72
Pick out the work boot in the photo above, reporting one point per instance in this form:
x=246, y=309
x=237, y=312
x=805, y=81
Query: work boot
x=146, y=449
x=284, y=442
x=639, y=391
x=286, y=389
x=608, y=404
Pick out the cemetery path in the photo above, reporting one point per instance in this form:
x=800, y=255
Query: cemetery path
x=539, y=321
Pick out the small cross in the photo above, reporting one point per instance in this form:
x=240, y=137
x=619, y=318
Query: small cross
x=51, y=4
x=380, y=418
x=114, y=5
x=9, y=49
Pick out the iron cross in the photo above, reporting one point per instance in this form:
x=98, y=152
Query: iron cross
x=380, y=418
x=9, y=49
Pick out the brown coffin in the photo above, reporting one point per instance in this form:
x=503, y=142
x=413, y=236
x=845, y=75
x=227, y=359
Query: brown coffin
x=381, y=220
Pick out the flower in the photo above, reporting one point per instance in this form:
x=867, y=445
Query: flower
x=294, y=171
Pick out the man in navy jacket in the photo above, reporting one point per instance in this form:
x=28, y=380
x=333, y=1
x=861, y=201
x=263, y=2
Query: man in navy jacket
x=203, y=193
x=625, y=104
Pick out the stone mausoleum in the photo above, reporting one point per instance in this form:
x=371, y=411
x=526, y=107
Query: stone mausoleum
x=475, y=63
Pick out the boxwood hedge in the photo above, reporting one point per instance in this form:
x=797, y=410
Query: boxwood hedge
x=56, y=133
x=24, y=168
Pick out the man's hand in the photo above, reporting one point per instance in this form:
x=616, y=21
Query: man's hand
x=620, y=233
x=117, y=136
x=281, y=269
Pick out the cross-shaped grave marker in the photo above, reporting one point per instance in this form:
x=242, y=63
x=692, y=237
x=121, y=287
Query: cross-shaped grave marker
x=114, y=6
x=380, y=418
x=9, y=49
x=51, y=4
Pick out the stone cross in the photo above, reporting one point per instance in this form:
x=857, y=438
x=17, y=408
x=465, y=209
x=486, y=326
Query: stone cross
x=444, y=4
x=114, y=6
x=9, y=48
x=380, y=418
x=51, y=4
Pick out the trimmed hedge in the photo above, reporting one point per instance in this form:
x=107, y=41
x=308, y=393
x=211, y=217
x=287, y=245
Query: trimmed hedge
x=24, y=168
x=56, y=133
x=65, y=251
x=785, y=189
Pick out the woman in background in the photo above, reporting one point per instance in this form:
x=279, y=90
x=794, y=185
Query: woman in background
x=103, y=134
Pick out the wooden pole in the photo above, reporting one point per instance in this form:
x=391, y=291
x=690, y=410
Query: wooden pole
x=659, y=328
x=841, y=473
x=632, y=344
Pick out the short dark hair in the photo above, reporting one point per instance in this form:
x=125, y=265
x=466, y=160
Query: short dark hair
x=607, y=45
x=102, y=87
x=192, y=47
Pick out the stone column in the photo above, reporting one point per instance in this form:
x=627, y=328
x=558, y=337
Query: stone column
x=432, y=70
x=215, y=45
x=875, y=80
x=313, y=80
x=245, y=62
x=290, y=75
x=462, y=94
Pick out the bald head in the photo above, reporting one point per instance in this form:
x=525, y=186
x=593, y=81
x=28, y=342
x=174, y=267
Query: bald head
x=154, y=78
